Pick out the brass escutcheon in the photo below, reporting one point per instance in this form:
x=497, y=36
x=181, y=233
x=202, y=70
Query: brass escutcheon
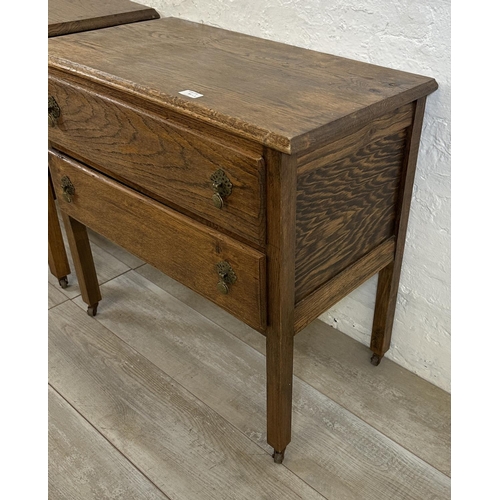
x=222, y=187
x=54, y=112
x=67, y=188
x=226, y=277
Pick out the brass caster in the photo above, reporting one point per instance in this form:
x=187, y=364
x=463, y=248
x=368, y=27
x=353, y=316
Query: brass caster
x=63, y=282
x=375, y=360
x=278, y=456
x=92, y=310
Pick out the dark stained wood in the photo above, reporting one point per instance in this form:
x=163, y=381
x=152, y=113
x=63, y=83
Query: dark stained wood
x=160, y=158
x=58, y=260
x=280, y=96
x=180, y=247
x=388, y=282
x=281, y=188
x=72, y=16
x=345, y=208
x=341, y=285
x=83, y=261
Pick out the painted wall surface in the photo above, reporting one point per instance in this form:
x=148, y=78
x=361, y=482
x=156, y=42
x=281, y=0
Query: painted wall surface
x=410, y=35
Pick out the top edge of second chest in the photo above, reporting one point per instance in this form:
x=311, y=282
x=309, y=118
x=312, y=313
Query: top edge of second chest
x=266, y=93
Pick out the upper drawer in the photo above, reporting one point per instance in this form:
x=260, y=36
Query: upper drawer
x=161, y=158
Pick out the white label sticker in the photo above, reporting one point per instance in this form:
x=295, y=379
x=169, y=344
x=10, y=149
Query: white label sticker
x=191, y=93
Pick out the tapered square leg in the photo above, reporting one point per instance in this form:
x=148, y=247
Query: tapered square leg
x=58, y=260
x=84, y=263
x=279, y=365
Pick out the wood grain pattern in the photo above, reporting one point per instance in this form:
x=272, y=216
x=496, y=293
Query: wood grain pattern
x=83, y=465
x=241, y=79
x=407, y=409
x=73, y=16
x=341, y=285
x=83, y=261
x=333, y=451
x=160, y=158
x=187, y=449
x=281, y=189
x=55, y=296
x=345, y=209
x=182, y=248
x=388, y=283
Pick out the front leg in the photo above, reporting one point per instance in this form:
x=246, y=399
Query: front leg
x=279, y=367
x=84, y=263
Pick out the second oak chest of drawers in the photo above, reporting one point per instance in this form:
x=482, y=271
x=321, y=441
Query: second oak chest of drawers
x=271, y=179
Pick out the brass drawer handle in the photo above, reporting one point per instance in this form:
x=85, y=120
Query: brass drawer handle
x=222, y=187
x=67, y=188
x=226, y=277
x=54, y=112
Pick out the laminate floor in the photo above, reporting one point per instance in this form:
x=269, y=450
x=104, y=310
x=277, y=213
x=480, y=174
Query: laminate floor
x=162, y=396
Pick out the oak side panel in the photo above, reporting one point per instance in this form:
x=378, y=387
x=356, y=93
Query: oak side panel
x=346, y=201
x=327, y=295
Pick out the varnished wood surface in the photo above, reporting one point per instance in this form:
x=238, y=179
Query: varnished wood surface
x=184, y=249
x=341, y=285
x=241, y=79
x=410, y=411
x=72, y=16
x=58, y=259
x=156, y=156
x=345, y=208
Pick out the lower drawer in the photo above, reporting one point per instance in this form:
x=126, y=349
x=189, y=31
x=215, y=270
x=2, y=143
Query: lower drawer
x=201, y=258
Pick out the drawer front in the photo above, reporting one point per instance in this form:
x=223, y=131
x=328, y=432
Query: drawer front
x=160, y=158
x=186, y=250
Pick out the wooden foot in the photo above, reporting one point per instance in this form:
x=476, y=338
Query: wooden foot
x=278, y=456
x=63, y=282
x=92, y=310
x=375, y=360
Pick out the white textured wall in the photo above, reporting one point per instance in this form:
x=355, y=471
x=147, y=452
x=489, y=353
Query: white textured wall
x=409, y=35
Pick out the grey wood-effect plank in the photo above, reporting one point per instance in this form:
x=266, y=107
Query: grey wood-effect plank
x=186, y=449
x=335, y=452
x=84, y=466
x=55, y=296
x=404, y=407
x=131, y=261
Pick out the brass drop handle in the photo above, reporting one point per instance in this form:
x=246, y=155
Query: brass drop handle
x=67, y=188
x=226, y=277
x=222, y=187
x=54, y=112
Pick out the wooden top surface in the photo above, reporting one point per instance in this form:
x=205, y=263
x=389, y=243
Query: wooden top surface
x=282, y=96
x=73, y=16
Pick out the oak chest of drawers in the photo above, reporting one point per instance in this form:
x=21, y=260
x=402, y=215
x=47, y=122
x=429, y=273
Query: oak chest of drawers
x=271, y=179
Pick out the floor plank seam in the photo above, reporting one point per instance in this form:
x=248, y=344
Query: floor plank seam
x=108, y=441
x=201, y=401
x=299, y=378
x=310, y=385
